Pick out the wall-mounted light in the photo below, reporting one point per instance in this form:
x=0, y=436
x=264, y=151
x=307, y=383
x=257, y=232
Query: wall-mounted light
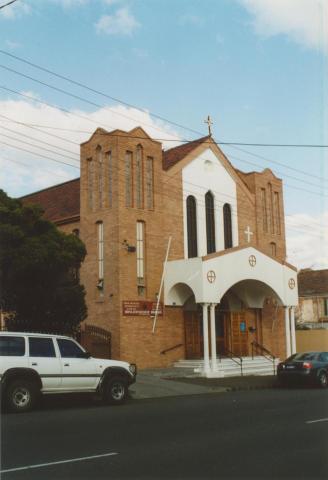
x=129, y=248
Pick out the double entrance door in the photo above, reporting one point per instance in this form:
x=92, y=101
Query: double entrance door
x=231, y=333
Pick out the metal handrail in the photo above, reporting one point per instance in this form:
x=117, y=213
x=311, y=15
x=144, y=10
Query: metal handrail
x=228, y=353
x=163, y=352
x=269, y=355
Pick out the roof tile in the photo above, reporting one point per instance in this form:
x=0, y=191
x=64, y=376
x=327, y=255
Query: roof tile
x=59, y=202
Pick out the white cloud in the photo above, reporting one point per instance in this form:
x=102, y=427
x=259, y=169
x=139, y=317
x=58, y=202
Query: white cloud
x=304, y=21
x=70, y=3
x=307, y=240
x=191, y=19
x=15, y=10
x=12, y=45
x=112, y=2
x=22, y=172
x=121, y=22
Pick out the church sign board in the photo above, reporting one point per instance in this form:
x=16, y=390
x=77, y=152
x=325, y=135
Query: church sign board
x=141, y=308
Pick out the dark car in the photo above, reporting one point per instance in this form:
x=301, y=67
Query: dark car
x=306, y=367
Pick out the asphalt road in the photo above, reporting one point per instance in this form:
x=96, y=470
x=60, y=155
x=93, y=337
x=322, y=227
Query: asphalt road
x=253, y=434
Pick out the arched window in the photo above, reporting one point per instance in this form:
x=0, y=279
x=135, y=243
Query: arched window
x=227, y=225
x=90, y=175
x=191, y=227
x=100, y=241
x=210, y=222
x=139, y=177
x=101, y=177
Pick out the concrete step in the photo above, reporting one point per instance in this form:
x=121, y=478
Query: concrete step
x=226, y=367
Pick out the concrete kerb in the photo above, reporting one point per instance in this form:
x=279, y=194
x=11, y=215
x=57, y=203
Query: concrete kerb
x=157, y=383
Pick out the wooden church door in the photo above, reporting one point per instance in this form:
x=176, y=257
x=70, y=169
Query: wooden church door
x=239, y=333
x=193, y=335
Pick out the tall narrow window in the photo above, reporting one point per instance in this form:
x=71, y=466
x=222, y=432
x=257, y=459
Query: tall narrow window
x=192, y=227
x=264, y=210
x=100, y=228
x=325, y=304
x=150, y=183
x=110, y=178
x=276, y=205
x=101, y=177
x=90, y=174
x=140, y=256
x=128, y=180
x=271, y=209
x=139, y=177
x=210, y=222
x=273, y=249
x=227, y=225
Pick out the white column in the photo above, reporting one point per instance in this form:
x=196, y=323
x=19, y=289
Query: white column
x=287, y=332
x=205, y=338
x=292, y=329
x=213, y=336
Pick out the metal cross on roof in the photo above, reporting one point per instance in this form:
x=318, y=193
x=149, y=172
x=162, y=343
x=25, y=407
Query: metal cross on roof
x=209, y=123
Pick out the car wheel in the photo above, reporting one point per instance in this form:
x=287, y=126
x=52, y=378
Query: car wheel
x=323, y=380
x=21, y=396
x=115, y=391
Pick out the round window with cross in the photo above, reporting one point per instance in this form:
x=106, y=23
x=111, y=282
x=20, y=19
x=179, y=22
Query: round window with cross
x=291, y=283
x=211, y=276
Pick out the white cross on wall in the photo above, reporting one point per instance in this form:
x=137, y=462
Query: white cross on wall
x=248, y=233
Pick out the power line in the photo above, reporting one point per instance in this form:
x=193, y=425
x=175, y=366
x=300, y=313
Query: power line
x=232, y=144
x=77, y=97
x=98, y=92
x=282, y=165
x=39, y=130
x=131, y=136
x=7, y=4
x=134, y=136
x=37, y=146
x=39, y=155
x=169, y=195
x=37, y=140
x=28, y=166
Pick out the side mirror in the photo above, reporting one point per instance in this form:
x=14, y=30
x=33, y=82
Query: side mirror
x=86, y=355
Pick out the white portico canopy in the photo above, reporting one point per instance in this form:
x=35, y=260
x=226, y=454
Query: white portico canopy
x=249, y=272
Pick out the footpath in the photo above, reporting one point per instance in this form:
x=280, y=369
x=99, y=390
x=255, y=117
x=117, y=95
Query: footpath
x=157, y=383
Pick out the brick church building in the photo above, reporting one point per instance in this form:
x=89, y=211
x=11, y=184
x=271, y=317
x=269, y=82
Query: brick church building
x=226, y=283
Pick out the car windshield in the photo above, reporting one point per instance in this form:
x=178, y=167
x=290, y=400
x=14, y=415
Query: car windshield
x=302, y=357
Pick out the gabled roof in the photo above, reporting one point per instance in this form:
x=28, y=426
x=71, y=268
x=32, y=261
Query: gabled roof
x=175, y=154
x=312, y=282
x=60, y=202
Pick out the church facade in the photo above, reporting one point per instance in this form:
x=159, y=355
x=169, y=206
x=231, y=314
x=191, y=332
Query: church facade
x=186, y=255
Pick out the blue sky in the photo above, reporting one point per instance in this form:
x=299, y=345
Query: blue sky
x=258, y=67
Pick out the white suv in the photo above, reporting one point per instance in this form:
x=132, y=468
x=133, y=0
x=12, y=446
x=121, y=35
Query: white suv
x=32, y=363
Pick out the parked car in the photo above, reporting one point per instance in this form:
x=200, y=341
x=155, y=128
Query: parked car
x=32, y=364
x=306, y=367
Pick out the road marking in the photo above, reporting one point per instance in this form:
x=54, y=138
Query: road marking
x=57, y=463
x=320, y=420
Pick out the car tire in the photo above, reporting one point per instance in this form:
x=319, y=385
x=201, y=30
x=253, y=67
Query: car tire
x=115, y=390
x=323, y=380
x=21, y=396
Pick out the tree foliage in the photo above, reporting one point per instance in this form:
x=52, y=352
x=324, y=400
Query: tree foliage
x=39, y=282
